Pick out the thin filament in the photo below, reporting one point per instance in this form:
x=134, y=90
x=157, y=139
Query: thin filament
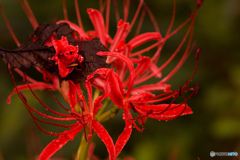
x=65, y=10
x=78, y=14
x=9, y=27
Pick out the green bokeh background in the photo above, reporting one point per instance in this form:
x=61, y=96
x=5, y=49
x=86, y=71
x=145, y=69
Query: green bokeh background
x=215, y=123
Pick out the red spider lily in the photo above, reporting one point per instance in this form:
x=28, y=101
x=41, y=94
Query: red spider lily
x=122, y=92
x=146, y=66
x=142, y=103
x=122, y=89
x=82, y=120
x=65, y=56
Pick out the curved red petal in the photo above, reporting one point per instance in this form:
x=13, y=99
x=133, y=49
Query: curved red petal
x=142, y=96
x=164, y=111
x=123, y=138
x=152, y=87
x=114, y=89
x=142, y=66
x=105, y=137
x=122, y=27
x=98, y=82
x=63, y=70
x=98, y=23
x=97, y=103
x=102, y=71
x=128, y=63
x=57, y=144
x=154, y=69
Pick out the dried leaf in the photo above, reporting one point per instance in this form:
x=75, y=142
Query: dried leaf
x=37, y=54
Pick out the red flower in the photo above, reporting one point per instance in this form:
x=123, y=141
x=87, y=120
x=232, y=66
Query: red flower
x=123, y=89
x=142, y=103
x=66, y=56
x=83, y=119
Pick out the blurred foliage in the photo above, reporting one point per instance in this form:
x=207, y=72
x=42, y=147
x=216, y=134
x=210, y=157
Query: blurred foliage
x=214, y=125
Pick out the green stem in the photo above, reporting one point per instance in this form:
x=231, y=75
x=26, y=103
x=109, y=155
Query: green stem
x=82, y=153
x=108, y=115
x=105, y=104
x=96, y=94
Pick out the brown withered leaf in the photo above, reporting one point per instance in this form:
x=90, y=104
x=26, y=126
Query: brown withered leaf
x=37, y=54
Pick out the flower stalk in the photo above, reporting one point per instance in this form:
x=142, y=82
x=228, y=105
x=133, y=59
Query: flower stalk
x=82, y=152
x=108, y=114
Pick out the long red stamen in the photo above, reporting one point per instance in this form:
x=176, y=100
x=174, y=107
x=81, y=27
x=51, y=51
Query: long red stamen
x=162, y=99
x=29, y=13
x=107, y=15
x=184, y=57
x=134, y=18
x=78, y=14
x=173, y=17
x=102, y=6
x=24, y=98
x=157, y=54
x=169, y=60
x=22, y=74
x=29, y=107
x=65, y=10
x=116, y=11
x=126, y=9
x=169, y=105
x=139, y=116
x=80, y=95
x=184, y=102
x=55, y=124
x=57, y=113
x=129, y=117
x=180, y=63
x=140, y=22
x=9, y=27
x=89, y=90
x=57, y=101
x=198, y=51
x=148, y=48
x=155, y=24
x=196, y=90
x=50, y=133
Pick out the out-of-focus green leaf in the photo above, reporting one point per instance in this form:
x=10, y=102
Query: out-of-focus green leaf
x=225, y=128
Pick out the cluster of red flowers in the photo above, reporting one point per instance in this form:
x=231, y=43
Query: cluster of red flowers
x=121, y=82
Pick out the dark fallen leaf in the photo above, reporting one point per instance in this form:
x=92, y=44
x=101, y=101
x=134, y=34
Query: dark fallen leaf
x=37, y=54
